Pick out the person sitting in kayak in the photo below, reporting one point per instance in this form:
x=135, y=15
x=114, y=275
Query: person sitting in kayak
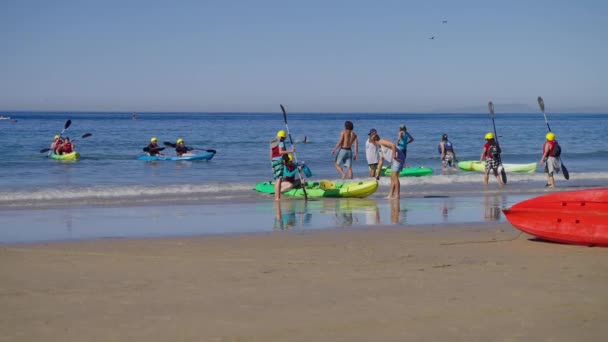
x=551, y=154
x=491, y=154
x=182, y=150
x=290, y=170
x=66, y=147
x=152, y=148
x=56, y=143
x=448, y=156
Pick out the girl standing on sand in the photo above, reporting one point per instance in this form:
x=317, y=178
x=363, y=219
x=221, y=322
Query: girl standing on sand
x=394, y=191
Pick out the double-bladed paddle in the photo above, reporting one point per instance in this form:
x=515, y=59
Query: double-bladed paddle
x=170, y=144
x=84, y=136
x=295, y=158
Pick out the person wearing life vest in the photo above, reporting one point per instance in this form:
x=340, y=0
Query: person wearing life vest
x=491, y=155
x=66, y=147
x=182, y=150
x=277, y=150
x=448, y=155
x=551, y=154
x=290, y=170
x=56, y=143
x=153, y=148
x=404, y=138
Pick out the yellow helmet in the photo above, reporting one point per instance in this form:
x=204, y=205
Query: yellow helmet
x=489, y=136
x=153, y=139
x=550, y=136
x=57, y=136
x=180, y=140
x=281, y=134
x=290, y=157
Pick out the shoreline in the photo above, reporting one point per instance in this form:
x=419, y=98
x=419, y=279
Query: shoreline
x=380, y=283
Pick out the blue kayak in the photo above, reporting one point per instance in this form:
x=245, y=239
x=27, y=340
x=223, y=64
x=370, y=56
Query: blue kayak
x=204, y=156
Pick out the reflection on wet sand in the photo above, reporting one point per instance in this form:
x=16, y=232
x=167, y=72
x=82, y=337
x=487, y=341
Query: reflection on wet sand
x=286, y=214
x=492, y=205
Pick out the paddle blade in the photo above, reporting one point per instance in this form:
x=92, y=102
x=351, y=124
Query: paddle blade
x=503, y=175
x=284, y=114
x=169, y=144
x=565, y=172
x=491, y=108
x=541, y=104
x=45, y=150
x=211, y=151
x=86, y=135
x=67, y=124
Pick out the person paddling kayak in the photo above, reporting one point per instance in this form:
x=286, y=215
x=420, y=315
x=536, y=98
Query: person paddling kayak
x=182, y=150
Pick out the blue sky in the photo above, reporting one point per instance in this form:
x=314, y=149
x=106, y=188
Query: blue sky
x=314, y=56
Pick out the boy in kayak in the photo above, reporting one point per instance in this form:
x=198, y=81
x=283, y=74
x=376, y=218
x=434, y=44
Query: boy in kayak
x=551, y=153
x=56, y=144
x=277, y=150
x=66, y=147
x=344, y=146
x=403, y=139
x=491, y=155
x=448, y=156
x=182, y=150
x=152, y=148
x=398, y=158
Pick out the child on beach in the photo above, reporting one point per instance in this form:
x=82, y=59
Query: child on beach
x=344, y=146
x=277, y=150
x=491, y=154
x=394, y=191
x=403, y=139
x=551, y=154
x=372, y=154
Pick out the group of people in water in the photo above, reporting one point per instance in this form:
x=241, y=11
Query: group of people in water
x=181, y=150
x=62, y=145
x=379, y=151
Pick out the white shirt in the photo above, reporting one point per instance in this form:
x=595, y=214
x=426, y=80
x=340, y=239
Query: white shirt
x=371, y=153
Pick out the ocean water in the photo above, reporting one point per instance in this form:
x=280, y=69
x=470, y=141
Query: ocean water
x=108, y=172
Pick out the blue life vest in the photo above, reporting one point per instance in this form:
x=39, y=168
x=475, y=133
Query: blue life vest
x=448, y=147
x=402, y=143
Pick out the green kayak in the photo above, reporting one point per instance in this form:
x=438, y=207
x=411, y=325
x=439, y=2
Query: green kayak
x=410, y=171
x=325, y=188
x=474, y=165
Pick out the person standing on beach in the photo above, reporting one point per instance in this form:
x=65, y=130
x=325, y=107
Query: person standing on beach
x=277, y=150
x=448, y=155
x=491, y=154
x=394, y=191
x=403, y=139
x=551, y=153
x=344, y=146
x=372, y=154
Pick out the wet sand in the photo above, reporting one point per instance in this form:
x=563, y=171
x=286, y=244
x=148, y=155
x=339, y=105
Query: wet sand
x=479, y=282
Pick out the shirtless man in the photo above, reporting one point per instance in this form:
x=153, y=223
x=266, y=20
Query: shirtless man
x=344, y=147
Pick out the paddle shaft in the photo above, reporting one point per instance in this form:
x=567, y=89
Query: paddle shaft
x=503, y=173
x=295, y=158
x=541, y=104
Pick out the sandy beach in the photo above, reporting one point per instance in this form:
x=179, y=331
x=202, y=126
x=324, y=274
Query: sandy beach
x=471, y=282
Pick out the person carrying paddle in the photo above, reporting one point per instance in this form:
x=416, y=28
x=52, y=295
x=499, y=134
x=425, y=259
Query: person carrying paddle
x=491, y=155
x=403, y=139
x=448, y=155
x=181, y=150
x=394, y=191
x=344, y=146
x=152, y=148
x=277, y=150
x=551, y=154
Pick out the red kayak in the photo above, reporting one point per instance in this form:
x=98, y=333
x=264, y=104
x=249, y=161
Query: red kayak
x=572, y=217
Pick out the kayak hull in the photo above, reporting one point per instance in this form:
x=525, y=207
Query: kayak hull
x=203, y=156
x=572, y=217
x=472, y=165
x=65, y=157
x=410, y=171
x=326, y=189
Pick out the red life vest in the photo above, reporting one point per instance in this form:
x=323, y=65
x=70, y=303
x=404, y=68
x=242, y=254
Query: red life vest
x=551, y=148
x=66, y=148
x=276, y=151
